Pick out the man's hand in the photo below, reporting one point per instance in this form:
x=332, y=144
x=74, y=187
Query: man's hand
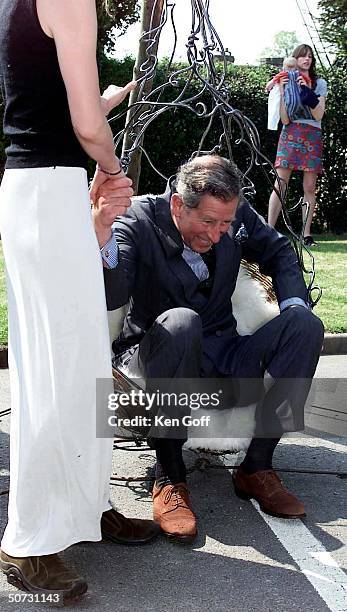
x=112, y=200
x=113, y=96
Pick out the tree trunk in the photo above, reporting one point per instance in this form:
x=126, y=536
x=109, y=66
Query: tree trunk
x=150, y=19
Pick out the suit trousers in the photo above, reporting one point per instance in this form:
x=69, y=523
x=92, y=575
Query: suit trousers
x=281, y=357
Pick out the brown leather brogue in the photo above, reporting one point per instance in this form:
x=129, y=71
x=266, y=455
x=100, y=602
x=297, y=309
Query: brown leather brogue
x=172, y=510
x=268, y=490
x=46, y=575
x=122, y=530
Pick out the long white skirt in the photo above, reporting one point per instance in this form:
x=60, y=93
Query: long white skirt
x=58, y=347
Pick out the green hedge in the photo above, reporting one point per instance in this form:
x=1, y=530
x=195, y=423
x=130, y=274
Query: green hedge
x=332, y=194
x=176, y=133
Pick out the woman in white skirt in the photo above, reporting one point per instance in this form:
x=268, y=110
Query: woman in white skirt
x=58, y=333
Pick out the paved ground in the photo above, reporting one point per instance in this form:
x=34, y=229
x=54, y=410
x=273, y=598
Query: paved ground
x=242, y=560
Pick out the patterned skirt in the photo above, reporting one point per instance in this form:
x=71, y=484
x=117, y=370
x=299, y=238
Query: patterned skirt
x=300, y=147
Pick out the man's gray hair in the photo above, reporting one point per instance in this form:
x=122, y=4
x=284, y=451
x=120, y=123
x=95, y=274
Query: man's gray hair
x=208, y=175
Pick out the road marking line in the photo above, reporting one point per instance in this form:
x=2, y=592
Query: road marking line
x=319, y=567
x=243, y=553
x=307, y=440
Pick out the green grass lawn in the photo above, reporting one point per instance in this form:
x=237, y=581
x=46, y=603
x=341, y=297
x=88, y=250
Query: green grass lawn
x=331, y=276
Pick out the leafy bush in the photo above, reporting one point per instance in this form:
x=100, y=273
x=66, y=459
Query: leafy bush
x=332, y=194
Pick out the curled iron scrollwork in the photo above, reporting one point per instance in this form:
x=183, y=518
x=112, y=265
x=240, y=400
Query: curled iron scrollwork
x=212, y=102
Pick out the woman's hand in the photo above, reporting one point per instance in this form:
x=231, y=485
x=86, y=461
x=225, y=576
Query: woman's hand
x=301, y=81
x=100, y=177
x=269, y=85
x=283, y=81
x=113, y=199
x=113, y=96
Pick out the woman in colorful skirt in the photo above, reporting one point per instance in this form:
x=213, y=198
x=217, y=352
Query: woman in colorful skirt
x=58, y=334
x=300, y=144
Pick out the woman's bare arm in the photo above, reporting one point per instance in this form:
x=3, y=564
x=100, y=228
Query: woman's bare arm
x=73, y=25
x=318, y=112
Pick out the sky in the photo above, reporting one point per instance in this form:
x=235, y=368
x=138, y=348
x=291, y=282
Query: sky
x=245, y=27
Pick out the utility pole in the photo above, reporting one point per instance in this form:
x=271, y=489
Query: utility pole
x=151, y=12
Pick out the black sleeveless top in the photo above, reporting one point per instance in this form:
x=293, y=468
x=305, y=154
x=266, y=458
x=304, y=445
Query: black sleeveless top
x=36, y=118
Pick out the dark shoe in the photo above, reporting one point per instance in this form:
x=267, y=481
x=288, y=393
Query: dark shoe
x=122, y=530
x=173, y=512
x=267, y=488
x=309, y=242
x=46, y=574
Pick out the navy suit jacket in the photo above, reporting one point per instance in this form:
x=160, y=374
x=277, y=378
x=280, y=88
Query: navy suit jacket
x=152, y=275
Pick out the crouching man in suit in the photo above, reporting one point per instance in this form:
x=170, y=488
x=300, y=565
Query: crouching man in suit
x=175, y=259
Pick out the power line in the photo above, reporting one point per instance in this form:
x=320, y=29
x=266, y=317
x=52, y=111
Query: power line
x=312, y=26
